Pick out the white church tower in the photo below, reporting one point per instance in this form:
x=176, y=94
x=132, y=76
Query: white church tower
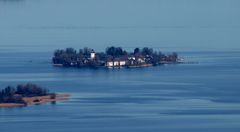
x=93, y=54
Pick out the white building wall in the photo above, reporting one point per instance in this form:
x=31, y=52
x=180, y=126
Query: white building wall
x=110, y=64
x=116, y=63
x=122, y=63
x=93, y=55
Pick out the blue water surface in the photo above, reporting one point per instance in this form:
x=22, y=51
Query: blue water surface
x=201, y=97
x=186, y=97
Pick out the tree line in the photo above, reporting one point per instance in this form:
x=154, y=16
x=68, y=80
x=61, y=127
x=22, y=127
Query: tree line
x=80, y=58
x=12, y=94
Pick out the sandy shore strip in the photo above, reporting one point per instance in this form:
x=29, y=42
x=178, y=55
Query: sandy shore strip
x=37, y=100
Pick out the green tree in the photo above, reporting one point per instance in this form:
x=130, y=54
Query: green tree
x=147, y=51
x=136, y=50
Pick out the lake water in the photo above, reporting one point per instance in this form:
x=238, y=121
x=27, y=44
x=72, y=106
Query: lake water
x=187, y=97
x=200, y=97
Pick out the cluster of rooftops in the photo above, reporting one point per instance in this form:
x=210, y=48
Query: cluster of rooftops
x=113, y=57
x=128, y=60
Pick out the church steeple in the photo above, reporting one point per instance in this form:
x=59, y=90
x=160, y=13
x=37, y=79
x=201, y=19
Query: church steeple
x=93, y=54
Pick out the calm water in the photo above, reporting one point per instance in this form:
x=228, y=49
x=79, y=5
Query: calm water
x=191, y=97
x=200, y=97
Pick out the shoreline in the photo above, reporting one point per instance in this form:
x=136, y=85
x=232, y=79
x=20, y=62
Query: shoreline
x=130, y=66
x=36, y=100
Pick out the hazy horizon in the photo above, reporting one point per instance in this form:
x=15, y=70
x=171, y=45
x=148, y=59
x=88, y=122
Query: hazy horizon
x=45, y=25
x=196, y=90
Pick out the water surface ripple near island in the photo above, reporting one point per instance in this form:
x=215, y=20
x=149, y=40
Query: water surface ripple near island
x=185, y=97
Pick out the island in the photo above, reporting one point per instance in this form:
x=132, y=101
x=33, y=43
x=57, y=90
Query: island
x=113, y=57
x=28, y=94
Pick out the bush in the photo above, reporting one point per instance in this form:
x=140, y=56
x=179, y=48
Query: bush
x=14, y=95
x=31, y=90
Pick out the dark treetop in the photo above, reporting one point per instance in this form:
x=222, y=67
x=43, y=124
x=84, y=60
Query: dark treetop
x=112, y=57
x=15, y=94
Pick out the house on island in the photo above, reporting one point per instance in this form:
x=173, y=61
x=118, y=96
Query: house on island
x=130, y=60
x=136, y=59
x=116, y=62
x=140, y=59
